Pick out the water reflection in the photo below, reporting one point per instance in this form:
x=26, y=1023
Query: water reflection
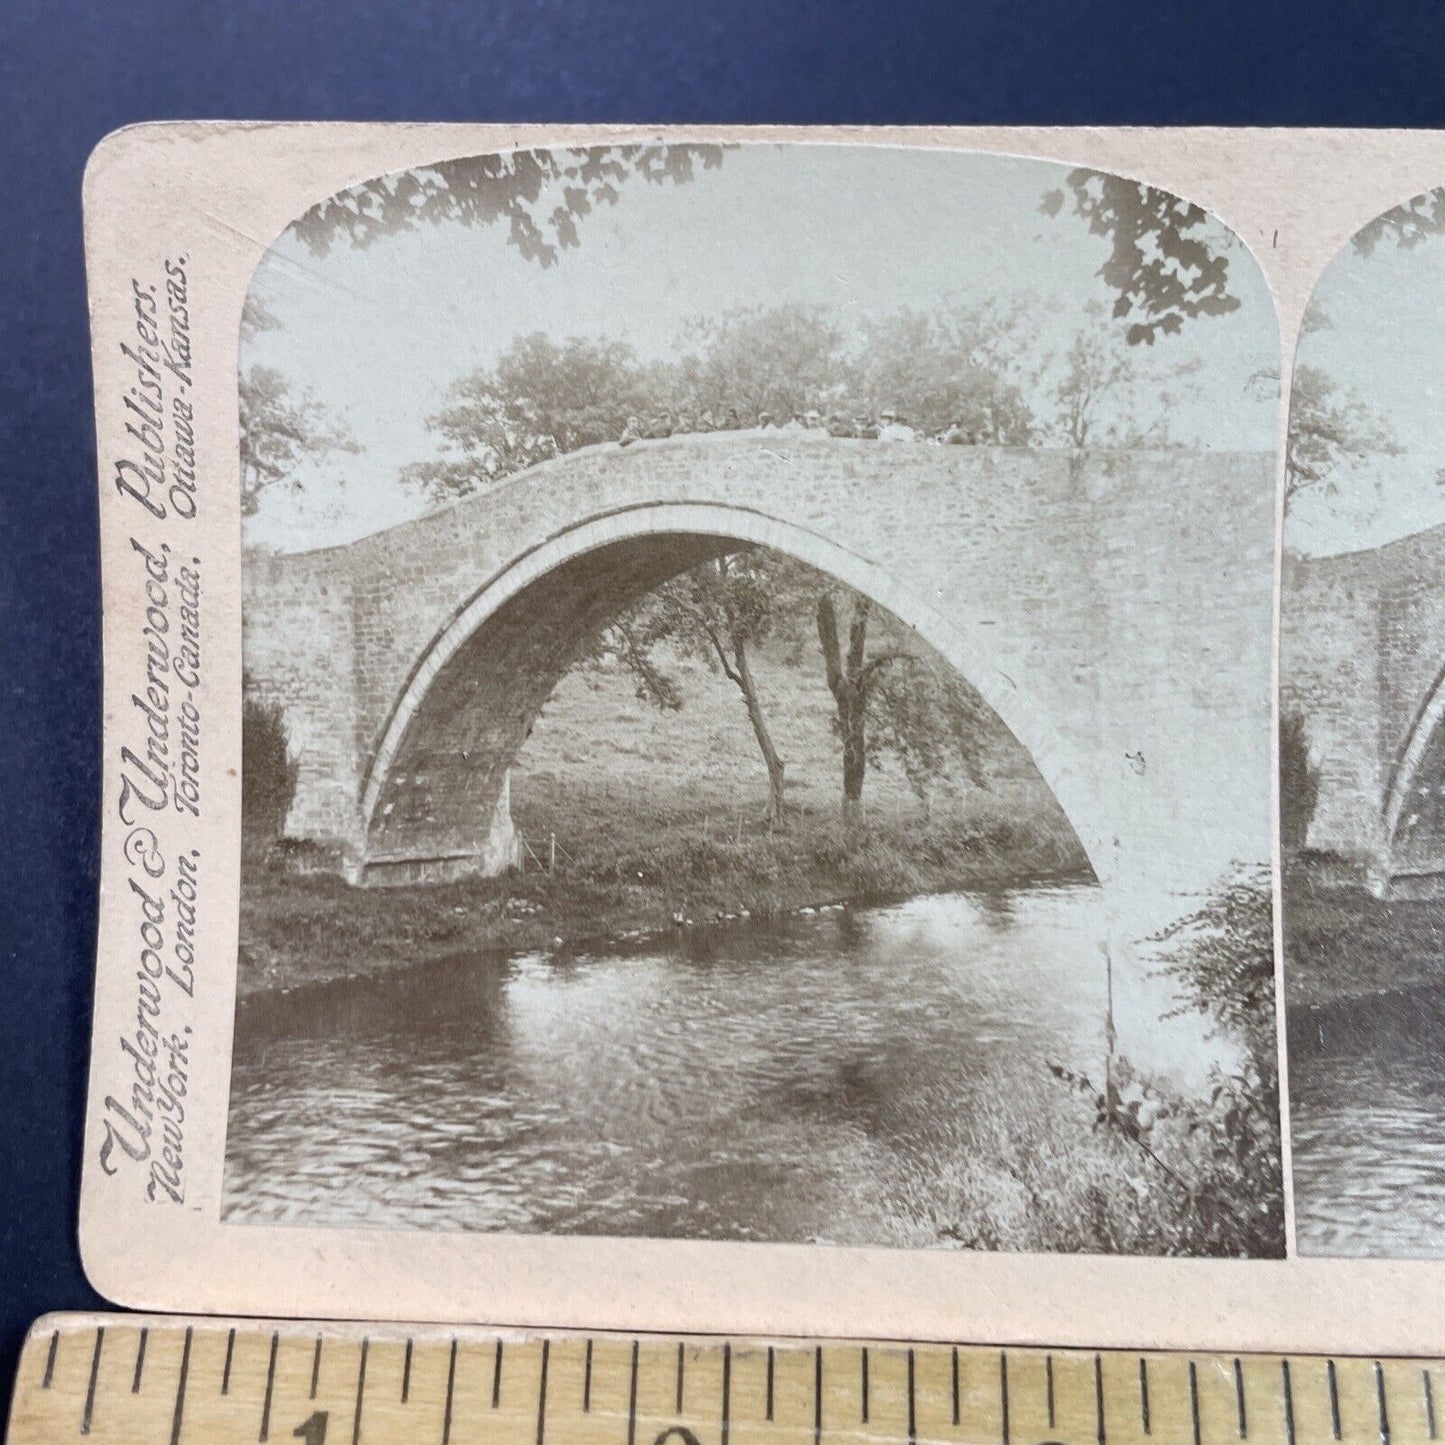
x=1368, y=1125
x=737, y=1084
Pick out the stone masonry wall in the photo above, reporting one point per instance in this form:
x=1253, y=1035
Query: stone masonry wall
x=1329, y=676
x=1362, y=643
x=298, y=648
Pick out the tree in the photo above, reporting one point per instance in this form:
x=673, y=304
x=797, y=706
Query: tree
x=1093, y=370
x=957, y=369
x=1164, y=266
x=1328, y=427
x=894, y=701
x=719, y=612
x=540, y=399
x=925, y=715
x=853, y=677
x=540, y=195
x=778, y=360
x=281, y=425
x=1408, y=224
x=1099, y=394
x=732, y=608
x=257, y=316
x=1221, y=961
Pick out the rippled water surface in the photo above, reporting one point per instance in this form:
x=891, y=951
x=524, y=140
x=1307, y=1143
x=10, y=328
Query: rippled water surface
x=1368, y=1125
x=736, y=1084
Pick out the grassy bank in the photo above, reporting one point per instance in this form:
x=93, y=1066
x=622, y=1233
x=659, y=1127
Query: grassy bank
x=1028, y=1170
x=658, y=815
x=1342, y=942
x=303, y=929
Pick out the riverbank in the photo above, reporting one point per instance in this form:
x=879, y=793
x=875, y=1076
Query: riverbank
x=881, y=1077
x=1028, y=1169
x=1341, y=942
x=299, y=930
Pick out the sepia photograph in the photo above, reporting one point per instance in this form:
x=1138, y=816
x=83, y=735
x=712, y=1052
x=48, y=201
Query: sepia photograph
x=756, y=715
x=1362, y=751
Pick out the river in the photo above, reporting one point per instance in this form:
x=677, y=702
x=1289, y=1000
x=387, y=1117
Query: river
x=1367, y=1096
x=787, y=1082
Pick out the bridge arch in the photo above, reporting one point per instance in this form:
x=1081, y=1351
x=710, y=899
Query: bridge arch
x=1415, y=795
x=439, y=769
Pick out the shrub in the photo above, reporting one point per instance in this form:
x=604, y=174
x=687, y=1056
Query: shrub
x=1221, y=960
x=1299, y=783
x=268, y=771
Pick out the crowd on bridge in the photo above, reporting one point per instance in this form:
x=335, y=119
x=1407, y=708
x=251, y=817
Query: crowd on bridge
x=887, y=426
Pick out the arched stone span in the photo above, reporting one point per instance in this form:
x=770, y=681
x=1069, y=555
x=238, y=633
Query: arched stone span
x=1415, y=800
x=1114, y=608
x=1362, y=661
x=436, y=793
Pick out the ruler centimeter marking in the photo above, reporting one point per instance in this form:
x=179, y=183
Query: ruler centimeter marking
x=361, y=1393
x=179, y=1414
x=94, y=1375
x=214, y=1382
x=727, y=1392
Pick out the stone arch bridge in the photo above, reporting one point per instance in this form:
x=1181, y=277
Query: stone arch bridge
x=1362, y=663
x=1113, y=608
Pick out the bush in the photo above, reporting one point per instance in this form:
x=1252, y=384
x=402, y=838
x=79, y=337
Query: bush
x=1038, y=1168
x=1030, y=1168
x=1299, y=783
x=1221, y=960
x=268, y=771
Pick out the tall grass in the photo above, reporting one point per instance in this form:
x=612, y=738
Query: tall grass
x=1029, y=1168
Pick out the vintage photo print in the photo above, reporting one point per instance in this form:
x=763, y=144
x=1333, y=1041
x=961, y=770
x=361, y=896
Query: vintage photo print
x=719, y=625
x=1362, y=751
x=691, y=731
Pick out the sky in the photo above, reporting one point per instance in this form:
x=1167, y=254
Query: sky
x=1383, y=340
x=379, y=334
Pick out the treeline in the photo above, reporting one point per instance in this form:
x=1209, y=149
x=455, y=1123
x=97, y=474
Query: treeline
x=974, y=374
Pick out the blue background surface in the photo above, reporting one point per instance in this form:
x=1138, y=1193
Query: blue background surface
x=70, y=72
